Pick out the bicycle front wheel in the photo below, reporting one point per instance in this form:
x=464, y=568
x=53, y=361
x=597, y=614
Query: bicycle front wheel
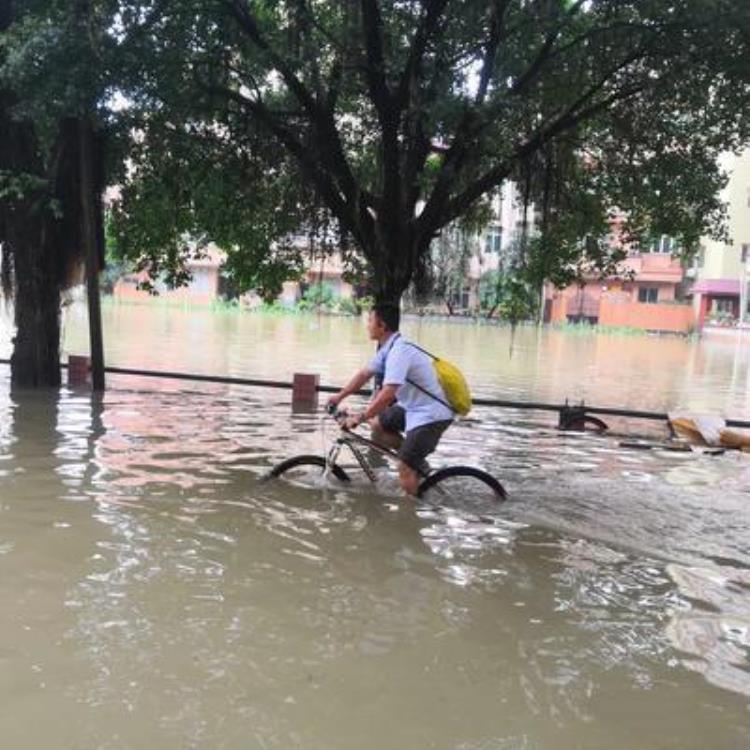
x=463, y=481
x=306, y=467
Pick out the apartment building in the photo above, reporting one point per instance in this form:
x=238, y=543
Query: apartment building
x=720, y=273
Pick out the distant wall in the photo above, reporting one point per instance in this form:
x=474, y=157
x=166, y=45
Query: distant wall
x=202, y=289
x=650, y=317
x=619, y=307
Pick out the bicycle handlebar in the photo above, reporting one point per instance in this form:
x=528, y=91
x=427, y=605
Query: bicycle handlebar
x=338, y=414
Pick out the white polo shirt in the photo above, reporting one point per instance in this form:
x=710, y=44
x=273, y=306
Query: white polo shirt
x=398, y=362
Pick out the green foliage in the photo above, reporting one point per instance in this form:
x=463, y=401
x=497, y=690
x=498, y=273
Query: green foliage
x=400, y=117
x=59, y=59
x=225, y=305
x=187, y=189
x=116, y=265
x=54, y=64
x=18, y=186
x=491, y=291
x=349, y=306
x=373, y=125
x=318, y=296
x=508, y=295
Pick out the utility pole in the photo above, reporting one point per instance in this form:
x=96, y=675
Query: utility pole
x=92, y=250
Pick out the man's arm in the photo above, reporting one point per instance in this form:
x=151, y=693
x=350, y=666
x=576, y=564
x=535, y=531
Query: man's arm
x=386, y=396
x=359, y=379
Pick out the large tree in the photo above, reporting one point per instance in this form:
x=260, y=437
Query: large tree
x=51, y=169
x=400, y=115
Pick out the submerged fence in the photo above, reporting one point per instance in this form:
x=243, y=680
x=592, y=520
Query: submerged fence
x=484, y=402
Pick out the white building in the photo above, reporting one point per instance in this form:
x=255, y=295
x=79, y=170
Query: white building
x=720, y=292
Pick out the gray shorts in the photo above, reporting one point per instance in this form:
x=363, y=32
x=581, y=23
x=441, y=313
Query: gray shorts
x=419, y=442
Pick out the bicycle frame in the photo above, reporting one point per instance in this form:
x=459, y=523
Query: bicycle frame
x=348, y=439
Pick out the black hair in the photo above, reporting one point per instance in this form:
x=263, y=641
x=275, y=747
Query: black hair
x=389, y=314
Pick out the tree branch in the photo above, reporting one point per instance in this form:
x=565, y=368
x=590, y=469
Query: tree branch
x=247, y=22
x=546, y=51
x=335, y=199
x=457, y=152
x=497, y=14
x=320, y=114
x=472, y=124
x=388, y=114
x=566, y=122
x=372, y=28
x=422, y=36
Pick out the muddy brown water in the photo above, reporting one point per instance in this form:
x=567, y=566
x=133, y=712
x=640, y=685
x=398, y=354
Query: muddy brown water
x=156, y=594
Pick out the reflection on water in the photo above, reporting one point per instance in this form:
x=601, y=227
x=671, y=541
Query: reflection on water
x=157, y=594
x=717, y=631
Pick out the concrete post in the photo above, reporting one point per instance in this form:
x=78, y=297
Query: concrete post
x=79, y=370
x=305, y=392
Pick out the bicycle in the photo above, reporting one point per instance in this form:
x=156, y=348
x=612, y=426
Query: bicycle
x=329, y=466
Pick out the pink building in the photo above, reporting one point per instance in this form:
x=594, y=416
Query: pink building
x=717, y=296
x=642, y=295
x=202, y=289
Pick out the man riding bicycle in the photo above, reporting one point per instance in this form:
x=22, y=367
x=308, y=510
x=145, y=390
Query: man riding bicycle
x=410, y=399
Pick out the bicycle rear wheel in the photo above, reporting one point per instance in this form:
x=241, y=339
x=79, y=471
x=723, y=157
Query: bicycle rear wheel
x=463, y=481
x=306, y=467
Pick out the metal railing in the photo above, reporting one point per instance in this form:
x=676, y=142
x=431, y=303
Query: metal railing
x=484, y=402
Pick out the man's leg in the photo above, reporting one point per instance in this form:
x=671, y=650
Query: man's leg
x=408, y=478
x=417, y=445
x=386, y=438
x=387, y=427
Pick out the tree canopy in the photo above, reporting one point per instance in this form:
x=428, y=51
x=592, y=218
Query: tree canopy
x=398, y=117
x=380, y=121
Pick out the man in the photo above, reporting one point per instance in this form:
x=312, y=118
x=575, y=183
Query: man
x=410, y=399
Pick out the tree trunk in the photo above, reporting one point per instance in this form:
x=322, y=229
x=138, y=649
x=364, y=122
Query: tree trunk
x=35, y=361
x=30, y=239
x=46, y=245
x=393, y=256
x=389, y=285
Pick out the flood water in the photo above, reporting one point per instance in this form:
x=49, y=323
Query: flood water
x=157, y=594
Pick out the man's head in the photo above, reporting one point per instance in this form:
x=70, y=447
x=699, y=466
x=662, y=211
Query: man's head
x=383, y=320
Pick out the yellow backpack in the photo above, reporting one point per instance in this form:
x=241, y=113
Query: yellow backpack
x=451, y=380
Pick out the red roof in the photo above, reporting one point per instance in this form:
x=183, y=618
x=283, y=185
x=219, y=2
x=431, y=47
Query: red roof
x=730, y=287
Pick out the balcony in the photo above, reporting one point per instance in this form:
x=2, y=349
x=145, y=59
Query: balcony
x=653, y=267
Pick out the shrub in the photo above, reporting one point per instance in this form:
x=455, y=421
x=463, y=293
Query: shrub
x=349, y=306
x=317, y=295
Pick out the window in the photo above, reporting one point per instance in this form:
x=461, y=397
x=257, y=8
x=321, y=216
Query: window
x=497, y=204
x=723, y=305
x=663, y=244
x=648, y=294
x=460, y=298
x=493, y=239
